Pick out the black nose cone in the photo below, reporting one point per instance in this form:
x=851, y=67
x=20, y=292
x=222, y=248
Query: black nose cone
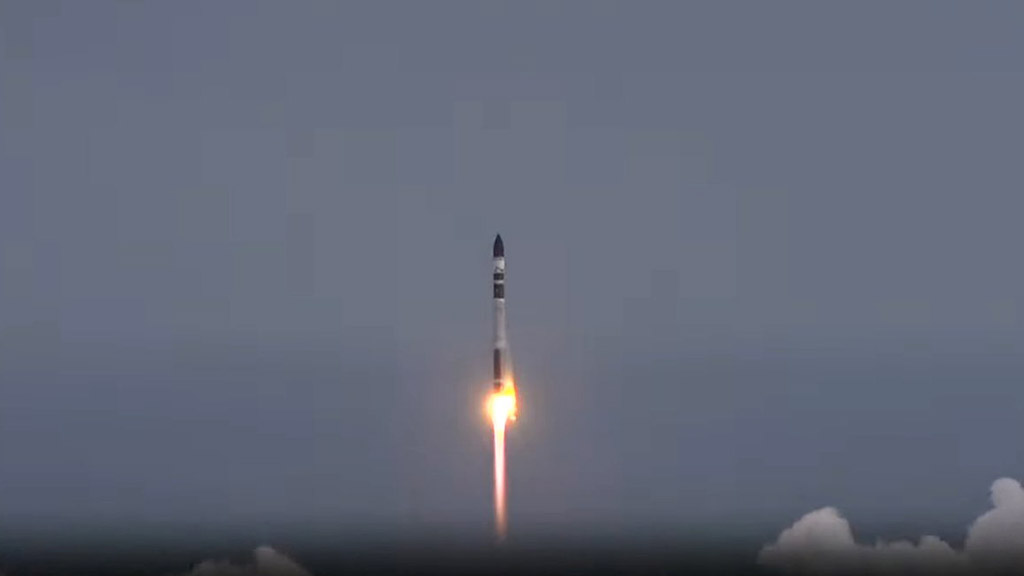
x=499, y=247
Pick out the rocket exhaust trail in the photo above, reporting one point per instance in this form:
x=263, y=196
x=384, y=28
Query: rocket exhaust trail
x=503, y=398
x=500, y=521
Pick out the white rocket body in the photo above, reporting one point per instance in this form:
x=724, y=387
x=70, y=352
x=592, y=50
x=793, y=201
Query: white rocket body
x=502, y=365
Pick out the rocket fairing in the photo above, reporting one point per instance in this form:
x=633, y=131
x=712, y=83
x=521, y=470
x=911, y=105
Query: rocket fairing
x=501, y=360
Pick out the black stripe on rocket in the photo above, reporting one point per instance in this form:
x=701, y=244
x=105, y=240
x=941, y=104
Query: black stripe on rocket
x=497, y=369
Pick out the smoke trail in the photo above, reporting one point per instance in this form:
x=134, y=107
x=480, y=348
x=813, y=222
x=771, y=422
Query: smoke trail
x=822, y=542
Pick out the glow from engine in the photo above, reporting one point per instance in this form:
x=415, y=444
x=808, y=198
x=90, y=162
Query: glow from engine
x=502, y=408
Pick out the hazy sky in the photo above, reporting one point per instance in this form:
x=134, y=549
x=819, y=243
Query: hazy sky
x=762, y=258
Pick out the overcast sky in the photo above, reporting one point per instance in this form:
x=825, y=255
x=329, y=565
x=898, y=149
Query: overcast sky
x=762, y=258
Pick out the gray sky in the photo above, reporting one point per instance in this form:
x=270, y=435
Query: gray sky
x=762, y=257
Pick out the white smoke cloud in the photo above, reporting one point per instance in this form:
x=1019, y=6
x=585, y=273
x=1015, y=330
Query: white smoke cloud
x=268, y=562
x=996, y=539
x=822, y=543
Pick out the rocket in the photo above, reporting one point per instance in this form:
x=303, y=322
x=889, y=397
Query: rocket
x=502, y=403
x=502, y=366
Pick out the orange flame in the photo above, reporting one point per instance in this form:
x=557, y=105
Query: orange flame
x=502, y=407
x=502, y=404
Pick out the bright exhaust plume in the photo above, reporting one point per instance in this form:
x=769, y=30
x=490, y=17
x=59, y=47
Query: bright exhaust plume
x=502, y=408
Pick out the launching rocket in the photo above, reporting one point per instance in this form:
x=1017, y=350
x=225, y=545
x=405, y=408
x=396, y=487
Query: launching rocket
x=503, y=400
x=502, y=366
